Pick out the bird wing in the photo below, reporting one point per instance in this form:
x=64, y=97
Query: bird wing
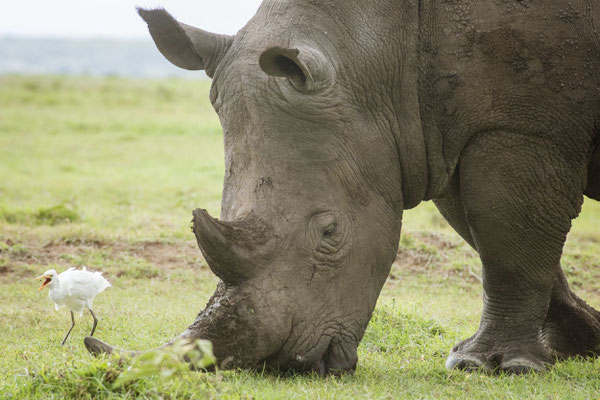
x=85, y=284
x=65, y=278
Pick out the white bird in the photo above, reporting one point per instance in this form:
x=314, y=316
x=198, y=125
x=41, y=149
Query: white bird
x=75, y=290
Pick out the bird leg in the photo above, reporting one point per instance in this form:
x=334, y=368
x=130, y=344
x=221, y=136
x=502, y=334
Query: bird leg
x=95, y=321
x=70, y=329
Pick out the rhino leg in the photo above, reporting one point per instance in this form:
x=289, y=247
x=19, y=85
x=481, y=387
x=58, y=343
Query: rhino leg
x=519, y=212
x=451, y=207
x=571, y=327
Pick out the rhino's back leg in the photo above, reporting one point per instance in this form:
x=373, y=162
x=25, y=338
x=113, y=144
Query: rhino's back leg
x=571, y=327
x=451, y=207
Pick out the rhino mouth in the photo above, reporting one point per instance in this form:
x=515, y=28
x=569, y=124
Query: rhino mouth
x=323, y=365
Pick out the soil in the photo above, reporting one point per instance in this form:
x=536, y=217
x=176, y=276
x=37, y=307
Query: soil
x=166, y=256
x=431, y=255
x=184, y=254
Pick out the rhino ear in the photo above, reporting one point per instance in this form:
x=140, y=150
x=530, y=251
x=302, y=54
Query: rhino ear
x=183, y=45
x=307, y=69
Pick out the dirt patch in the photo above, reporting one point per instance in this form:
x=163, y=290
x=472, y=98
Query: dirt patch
x=435, y=257
x=166, y=256
x=418, y=252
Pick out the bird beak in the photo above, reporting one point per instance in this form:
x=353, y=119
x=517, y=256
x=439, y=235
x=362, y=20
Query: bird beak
x=47, y=278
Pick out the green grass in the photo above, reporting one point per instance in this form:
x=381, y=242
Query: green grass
x=130, y=157
x=105, y=173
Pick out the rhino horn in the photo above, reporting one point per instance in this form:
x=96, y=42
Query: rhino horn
x=229, y=248
x=97, y=347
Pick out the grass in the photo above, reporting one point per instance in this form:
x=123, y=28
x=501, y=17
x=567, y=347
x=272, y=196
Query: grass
x=104, y=172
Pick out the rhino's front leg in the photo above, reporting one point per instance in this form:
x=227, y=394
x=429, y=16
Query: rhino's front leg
x=519, y=194
x=571, y=327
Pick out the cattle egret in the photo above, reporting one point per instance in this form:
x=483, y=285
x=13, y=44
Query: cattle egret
x=75, y=290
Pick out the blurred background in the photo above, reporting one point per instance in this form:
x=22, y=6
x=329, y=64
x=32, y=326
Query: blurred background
x=106, y=37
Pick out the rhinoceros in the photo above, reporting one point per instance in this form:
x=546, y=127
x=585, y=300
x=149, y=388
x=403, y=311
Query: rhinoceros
x=338, y=115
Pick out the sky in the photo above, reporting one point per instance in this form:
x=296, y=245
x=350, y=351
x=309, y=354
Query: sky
x=116, y=18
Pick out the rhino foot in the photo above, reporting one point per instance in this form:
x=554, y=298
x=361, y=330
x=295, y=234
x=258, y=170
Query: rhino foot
x=482, y=354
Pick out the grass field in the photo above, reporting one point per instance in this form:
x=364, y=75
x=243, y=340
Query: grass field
x=105, y=173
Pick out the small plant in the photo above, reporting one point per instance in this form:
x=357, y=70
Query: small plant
x=169, y=361
x=56, y=215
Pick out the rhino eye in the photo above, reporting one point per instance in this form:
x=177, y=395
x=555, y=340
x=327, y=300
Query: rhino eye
x=330, y=230
x=329, y=238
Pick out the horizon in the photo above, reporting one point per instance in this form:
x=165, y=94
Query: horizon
x=126, y=57
x=70, y=19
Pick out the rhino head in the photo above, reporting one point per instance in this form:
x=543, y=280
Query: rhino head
x=314, y=186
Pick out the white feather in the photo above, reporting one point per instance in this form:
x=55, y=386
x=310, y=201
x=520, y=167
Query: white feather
x=75, y=289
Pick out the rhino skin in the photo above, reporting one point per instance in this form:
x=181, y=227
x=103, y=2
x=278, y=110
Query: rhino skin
x=337, y=115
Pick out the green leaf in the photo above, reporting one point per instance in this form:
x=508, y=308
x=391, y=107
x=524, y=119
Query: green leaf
x=168, y=361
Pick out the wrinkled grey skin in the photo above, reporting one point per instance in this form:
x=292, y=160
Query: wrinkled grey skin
x=337, y=115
